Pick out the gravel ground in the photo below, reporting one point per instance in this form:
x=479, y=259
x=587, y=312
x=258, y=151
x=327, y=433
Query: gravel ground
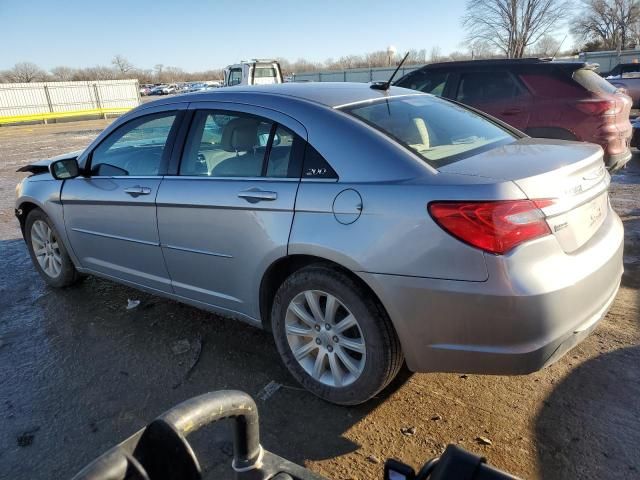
x=78, y=373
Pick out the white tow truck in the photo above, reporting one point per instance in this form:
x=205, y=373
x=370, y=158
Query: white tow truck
x=253, y=72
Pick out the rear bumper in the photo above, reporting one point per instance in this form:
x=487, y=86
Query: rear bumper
x=531, y=311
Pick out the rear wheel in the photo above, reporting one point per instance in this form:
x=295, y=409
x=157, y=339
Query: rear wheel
x=334, y=338
x=47, y=252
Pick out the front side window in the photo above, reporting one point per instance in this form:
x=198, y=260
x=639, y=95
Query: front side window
x=235, y=76
x=136, y=148
x=224, y=144
x=482, y=87
x=438, y=131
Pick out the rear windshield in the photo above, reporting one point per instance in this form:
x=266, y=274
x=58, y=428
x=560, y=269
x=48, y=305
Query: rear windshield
x=439, y=131
x=593, y=82
x=262, y=72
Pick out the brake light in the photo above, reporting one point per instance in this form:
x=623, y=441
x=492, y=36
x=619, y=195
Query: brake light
x=494, y=226
x=599, y=107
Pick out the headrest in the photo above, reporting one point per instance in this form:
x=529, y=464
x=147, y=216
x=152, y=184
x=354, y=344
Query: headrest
x=240, y=134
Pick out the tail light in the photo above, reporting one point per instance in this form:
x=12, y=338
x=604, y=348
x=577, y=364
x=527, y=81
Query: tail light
x=599, y=107
x=495, y=226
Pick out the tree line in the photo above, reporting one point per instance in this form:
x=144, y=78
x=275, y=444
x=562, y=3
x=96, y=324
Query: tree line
x=494, y=29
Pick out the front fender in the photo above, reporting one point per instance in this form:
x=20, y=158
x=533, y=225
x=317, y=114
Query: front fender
x=43, y=193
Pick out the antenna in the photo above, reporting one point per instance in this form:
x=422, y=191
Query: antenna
x=559, y=47
x=387, y=84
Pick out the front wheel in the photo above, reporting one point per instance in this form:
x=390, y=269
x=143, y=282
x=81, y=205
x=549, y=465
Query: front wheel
x=334, y=338
x=47, y=252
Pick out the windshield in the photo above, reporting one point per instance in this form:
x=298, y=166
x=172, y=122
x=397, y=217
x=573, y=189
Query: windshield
x=440, y=132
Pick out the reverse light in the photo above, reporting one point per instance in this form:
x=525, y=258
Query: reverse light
x=493, y=226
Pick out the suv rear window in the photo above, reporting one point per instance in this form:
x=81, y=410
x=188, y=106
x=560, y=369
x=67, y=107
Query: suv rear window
x=593, y=82
x=438, y=131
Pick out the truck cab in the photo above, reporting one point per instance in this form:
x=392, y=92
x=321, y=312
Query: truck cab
x=253, y=72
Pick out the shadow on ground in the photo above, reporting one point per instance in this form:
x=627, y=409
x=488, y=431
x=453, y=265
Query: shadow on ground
x=80, y=372
x=589, y=427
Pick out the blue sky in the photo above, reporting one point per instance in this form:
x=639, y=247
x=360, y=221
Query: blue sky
x=199, y=35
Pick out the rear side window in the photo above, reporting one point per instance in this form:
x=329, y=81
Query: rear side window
x=593, y=82
x=478, y=87
x=438, y=131
x=432, y=82
x=225, y=144
x=552, y=85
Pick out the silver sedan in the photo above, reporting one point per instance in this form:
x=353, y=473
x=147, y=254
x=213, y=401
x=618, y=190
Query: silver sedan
x=365, y=228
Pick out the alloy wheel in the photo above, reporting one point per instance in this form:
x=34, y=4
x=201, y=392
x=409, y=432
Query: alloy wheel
x=46, y=248
x=325, y=338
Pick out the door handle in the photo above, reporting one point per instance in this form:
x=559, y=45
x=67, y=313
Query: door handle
x=137, y=190
x=255, y=195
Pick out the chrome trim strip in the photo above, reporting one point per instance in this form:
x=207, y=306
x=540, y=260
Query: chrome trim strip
x=231, y=179
x=116, y=237
x=195, y=250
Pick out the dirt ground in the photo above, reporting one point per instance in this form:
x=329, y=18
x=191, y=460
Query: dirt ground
x=79, y=373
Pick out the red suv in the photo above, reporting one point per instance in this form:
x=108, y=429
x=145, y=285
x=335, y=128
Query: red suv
x=542, y=98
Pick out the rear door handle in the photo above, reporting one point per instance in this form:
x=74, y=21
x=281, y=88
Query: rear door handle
x=137, y=190
x=255, y=195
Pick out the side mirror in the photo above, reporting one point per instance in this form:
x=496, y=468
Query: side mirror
x=64, y=169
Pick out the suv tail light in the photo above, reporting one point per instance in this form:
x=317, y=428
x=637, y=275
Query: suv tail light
x=599, y=107
x=494, y=226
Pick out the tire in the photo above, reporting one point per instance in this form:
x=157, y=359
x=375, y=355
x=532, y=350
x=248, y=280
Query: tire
x=370, y=347
x=60, y=272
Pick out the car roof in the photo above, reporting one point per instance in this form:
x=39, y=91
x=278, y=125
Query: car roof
x=331, y=94
x=506, y=62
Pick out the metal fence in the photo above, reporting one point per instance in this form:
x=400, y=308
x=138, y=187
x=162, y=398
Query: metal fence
x=362, y=75
x=42, y=101
x=609, y=59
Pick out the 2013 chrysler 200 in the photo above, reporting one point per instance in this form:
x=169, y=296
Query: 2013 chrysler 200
x=363, y=227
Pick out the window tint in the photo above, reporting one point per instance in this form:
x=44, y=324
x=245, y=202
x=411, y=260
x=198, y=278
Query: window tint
x=477, y=87
x=438, y=131
x=136, y=148
x=315, y=166
x=225, y=145
x=235, y=76
x=426, y=81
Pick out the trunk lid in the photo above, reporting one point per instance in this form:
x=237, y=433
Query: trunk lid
x=570, y=173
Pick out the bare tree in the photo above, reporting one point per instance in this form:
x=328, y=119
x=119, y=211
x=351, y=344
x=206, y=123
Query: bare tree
x=158, y=68
x=121, y=64
x=25, y=72
x=63, y=74
x=547, y=46
x=436, y=54
x=513, y=25
x=612, y=24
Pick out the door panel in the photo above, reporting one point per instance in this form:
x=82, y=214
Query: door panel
x=219, y=235
x=114, y=232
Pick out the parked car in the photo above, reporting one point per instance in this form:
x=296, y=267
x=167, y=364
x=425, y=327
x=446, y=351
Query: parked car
x=627, y=77
x=253, y=72
x=144, y=91
x=157, y=90
x=363, y=227
x=545, y=99
x=168, y=89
